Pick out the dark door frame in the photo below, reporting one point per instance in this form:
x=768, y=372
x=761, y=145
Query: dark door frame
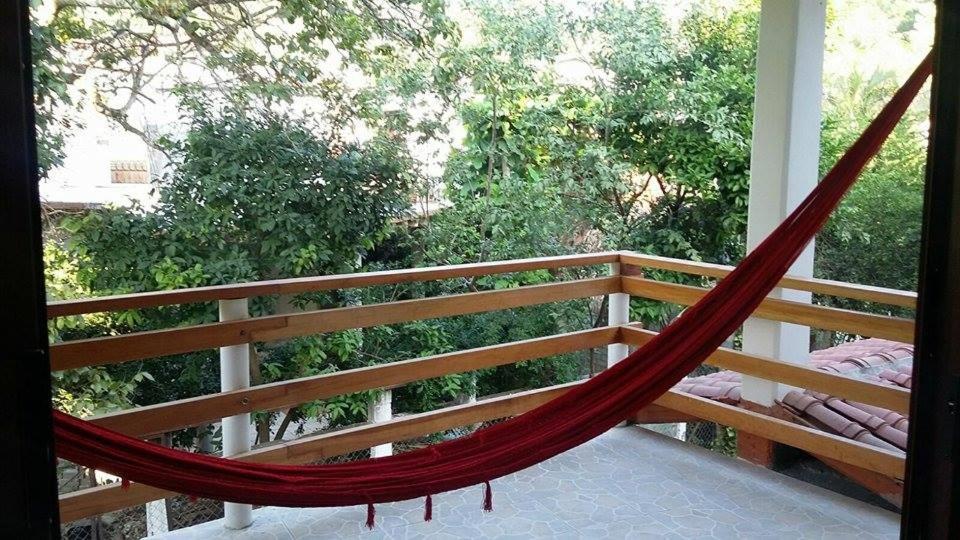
x=932, y=491
x=29, y=492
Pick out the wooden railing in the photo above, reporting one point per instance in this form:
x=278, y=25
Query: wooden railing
x=626, y=269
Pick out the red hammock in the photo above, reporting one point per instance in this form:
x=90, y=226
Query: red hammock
x=579, y=415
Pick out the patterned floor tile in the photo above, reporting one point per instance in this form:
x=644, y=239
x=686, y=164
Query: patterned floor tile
x=628, y=483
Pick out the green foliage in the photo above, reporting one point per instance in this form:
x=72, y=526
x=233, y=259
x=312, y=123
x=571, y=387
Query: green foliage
x=874, y=236
x=650, y=153
x=89, y=390
x=679, y=111
x=270, y=51
x=53, y=77
x=94, y=390
x=253, y=195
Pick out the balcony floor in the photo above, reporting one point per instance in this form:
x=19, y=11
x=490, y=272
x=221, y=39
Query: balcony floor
x=628, y=483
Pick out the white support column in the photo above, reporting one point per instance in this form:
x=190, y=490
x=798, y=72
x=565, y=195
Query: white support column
x=381, y=410
x=618, y=313
x=784, y=160
x=234, y=375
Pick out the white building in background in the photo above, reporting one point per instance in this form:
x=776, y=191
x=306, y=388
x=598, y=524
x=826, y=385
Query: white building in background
x=103, y=165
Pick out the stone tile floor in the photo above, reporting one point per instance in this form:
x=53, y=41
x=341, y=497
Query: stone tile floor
x=628, y=483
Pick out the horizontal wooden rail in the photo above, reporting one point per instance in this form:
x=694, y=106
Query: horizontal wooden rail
x=136, y=346
x=812, y=440
x=164, y=417
x=95, y=501
x=142, y=300
x=890, y=397
x=828, y=318
x=63, y=308
x=826, y=287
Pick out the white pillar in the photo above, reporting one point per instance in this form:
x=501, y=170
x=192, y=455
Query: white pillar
x=618, y=313
x=381, y=410
x=234, y=375
x=784, y=160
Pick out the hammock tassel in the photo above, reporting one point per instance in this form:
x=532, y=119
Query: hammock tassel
x=487, y=497
x=371, y=514
x=428, y=509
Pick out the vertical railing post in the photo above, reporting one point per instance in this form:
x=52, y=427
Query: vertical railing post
x=235, y=375
x=156, y=511
x=618, y=313
x=380, y=409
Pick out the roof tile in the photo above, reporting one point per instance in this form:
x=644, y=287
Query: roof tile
x=879, y=360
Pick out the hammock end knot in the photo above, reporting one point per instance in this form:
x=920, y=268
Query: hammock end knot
x=371, y=515
x=487, y=497
x=428, y=509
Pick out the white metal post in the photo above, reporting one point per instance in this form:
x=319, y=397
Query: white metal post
x=381, y=410
x=156, y=511
x=618, y=313
x=784, y=161
x=235, y=375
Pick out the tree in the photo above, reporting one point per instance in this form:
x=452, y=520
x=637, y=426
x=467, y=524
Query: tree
x=649, y=152
x=253, y=195
x=53, y=78
x=874, y=235
x=135, y=51
x=679, y=111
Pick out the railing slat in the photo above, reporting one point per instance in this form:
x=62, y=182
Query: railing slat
x=811, y=440
x=140, y=345
x=151, y=420
x=827, y=287
x=890, y=397
x=170, y=416
x=150, y=299
x=841, y=320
